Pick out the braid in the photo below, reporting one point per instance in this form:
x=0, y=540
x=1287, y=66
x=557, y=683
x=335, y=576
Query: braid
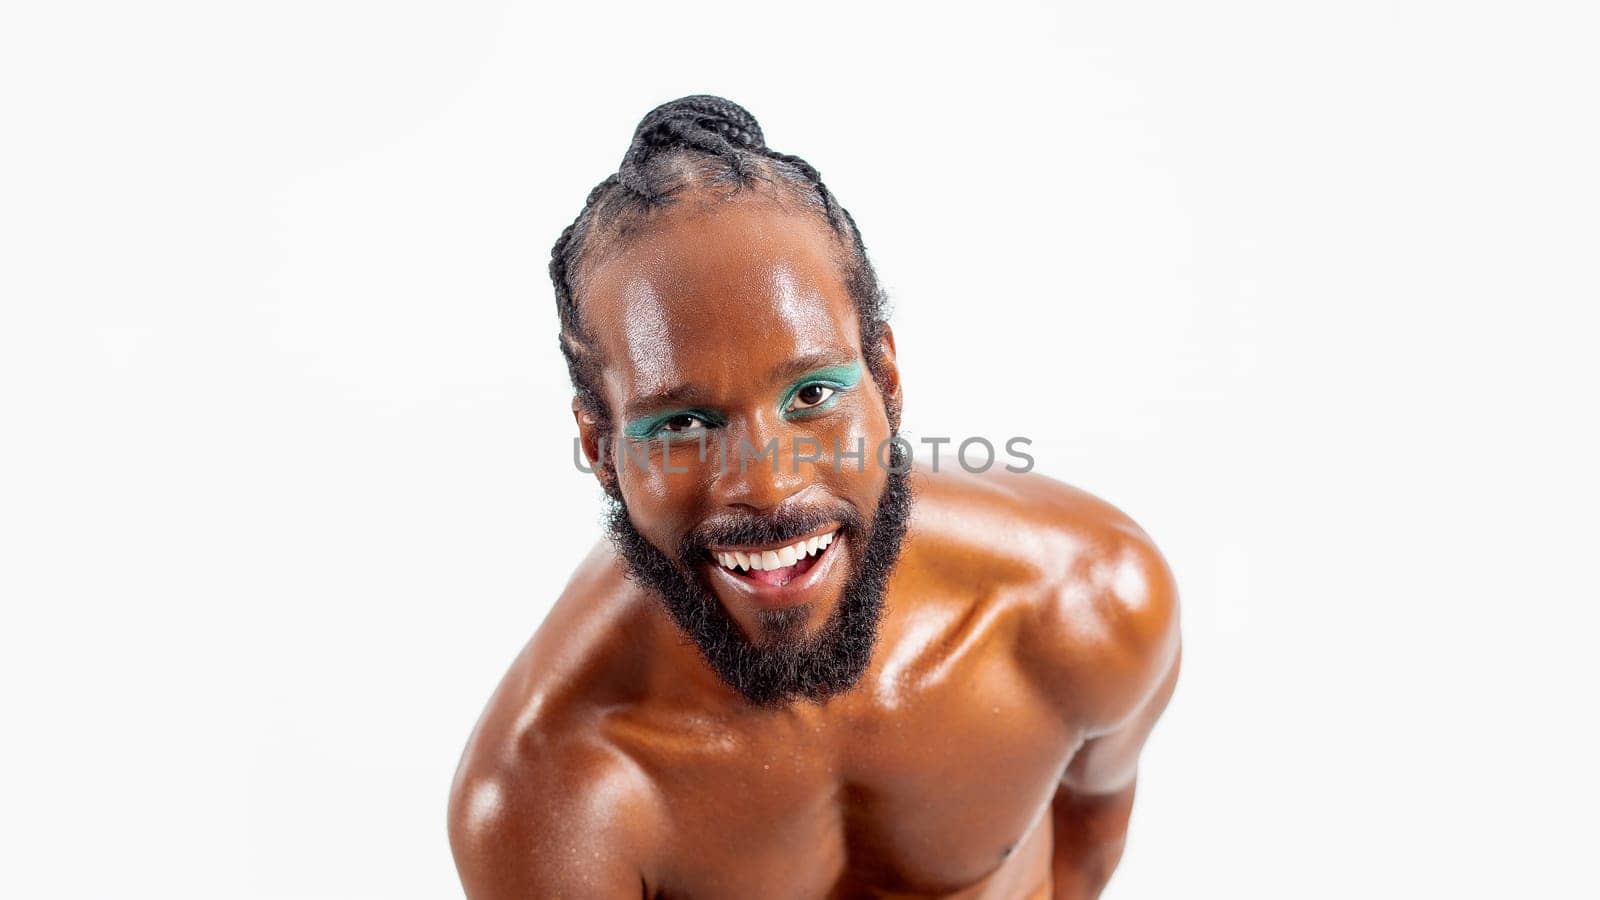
x=716, y=126
x=694, y=141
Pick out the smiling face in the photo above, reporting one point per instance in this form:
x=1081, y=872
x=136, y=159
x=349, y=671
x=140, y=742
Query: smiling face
x=728, y=323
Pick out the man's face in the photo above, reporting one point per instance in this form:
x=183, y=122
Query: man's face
x=728, y=324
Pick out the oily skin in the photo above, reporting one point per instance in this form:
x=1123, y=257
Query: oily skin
x=766, y=283
x=1029, y=641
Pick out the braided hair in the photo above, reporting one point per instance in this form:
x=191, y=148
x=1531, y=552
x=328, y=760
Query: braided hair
x=698, y=141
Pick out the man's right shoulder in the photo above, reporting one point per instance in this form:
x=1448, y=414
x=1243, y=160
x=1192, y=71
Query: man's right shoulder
x=543, y=804
x=557, y=816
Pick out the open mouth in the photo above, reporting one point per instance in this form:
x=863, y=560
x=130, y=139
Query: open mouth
x=775, y=566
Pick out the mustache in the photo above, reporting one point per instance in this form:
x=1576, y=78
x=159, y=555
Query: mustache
x=781, y=527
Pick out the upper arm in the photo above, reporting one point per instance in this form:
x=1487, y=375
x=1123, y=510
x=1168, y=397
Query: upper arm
x=1106, y=640
x=549, y=828
x=1108, y=761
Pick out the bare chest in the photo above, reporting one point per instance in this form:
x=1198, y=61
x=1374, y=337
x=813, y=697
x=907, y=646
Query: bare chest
x=938, y=789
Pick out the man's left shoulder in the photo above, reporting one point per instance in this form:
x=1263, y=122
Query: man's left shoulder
x=1101, y=621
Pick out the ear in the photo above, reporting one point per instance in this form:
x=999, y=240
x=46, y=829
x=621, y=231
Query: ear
x=592, y=440
x=887, y=368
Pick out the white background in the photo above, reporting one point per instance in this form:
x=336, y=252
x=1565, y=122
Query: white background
x=286, y=471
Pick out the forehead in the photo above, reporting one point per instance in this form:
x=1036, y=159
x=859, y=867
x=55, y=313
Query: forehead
x=716, y=296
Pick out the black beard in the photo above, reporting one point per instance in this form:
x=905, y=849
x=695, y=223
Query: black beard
x=784, y=664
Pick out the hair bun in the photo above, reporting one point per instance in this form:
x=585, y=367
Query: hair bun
x=698, y=120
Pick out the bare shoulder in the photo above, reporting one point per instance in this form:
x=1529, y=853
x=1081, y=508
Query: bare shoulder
x=543, y=804
x=1100, y=606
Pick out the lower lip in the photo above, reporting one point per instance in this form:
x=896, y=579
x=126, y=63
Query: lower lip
x=780, y=596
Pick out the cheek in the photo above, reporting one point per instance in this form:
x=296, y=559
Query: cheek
x=864, y=427
x=661, y=503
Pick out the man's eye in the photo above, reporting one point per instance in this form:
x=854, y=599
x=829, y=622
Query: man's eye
x=810, y=395
x=684, y=422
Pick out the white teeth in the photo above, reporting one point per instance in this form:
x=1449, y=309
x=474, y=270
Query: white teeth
x=775, y=559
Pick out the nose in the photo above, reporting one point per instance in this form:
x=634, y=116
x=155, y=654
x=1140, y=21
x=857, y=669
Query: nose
x=761, y=472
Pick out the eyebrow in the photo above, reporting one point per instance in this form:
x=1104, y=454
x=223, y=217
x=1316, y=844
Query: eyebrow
x=689, y=395
x=807, y=363
x=681, y=395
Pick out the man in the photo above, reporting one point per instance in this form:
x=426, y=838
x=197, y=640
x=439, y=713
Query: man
x=802, y=667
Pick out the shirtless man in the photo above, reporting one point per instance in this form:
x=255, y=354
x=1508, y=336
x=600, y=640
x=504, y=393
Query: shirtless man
x=818, y=673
